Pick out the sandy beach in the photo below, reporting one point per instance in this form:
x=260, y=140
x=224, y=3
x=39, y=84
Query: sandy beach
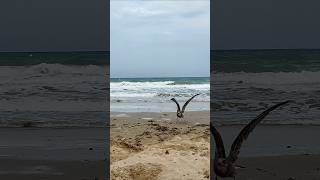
x=53, y=153
x=156, y=146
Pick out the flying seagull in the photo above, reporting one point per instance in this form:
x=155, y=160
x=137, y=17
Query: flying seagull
x=225, y=166
x=179, y=111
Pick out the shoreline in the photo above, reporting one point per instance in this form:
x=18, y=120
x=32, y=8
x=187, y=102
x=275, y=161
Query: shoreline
x=285, y=167
x=53, y=153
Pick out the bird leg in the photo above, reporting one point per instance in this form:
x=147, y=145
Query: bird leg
x=234, y=177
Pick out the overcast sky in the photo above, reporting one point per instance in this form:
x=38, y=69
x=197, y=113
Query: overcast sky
x=54, y=25
x=275, y=24
x=160, y=38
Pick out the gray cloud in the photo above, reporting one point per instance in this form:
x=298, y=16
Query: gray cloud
x=155, y=38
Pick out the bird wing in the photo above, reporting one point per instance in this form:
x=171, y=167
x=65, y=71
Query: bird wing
x=220, y=152
x=243, y=135
x=185, y=104
x=174, y=100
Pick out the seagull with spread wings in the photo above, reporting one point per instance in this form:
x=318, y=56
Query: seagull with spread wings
x=179, y=111
x=225, y=166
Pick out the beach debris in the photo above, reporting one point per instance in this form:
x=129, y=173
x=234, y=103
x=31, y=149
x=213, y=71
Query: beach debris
x=179, y=111
x=167, y=152
x=206, y=174
x=224, y=166
x=288, y=147
x=91, y=149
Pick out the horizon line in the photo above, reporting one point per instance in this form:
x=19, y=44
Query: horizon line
x=75, y=51
x=161, y=77
x=263, y=49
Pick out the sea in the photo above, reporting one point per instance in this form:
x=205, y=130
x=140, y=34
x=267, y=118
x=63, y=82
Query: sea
x=54, y=89
x=246, y=82
x=70, y=89
x=154, y=94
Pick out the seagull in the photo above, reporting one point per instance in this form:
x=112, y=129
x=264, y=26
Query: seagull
x=225, y=166
x=179, y=111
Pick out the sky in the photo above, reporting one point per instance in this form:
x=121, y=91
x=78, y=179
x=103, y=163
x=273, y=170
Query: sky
x=54, y=25
x=265, y=24
x=160, y=38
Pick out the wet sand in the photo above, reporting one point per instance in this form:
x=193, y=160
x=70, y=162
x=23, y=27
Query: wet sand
x=13, y=169
x=285, y=167
x=277, y=152
x=53, y=153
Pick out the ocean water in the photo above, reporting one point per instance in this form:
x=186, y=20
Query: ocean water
x=246, y=82
x=67, y=89
x=154, y=94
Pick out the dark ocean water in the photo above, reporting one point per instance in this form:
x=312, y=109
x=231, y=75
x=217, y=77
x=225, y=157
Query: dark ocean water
x=246, y=82
x=53, y=89
x=65, y=58
x=255, y=61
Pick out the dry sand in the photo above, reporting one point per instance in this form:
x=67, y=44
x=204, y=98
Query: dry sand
x=154, y=146
x=146, y=146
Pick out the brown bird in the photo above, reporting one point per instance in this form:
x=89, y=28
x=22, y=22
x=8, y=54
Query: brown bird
x=179, y=111
x=225, y=166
